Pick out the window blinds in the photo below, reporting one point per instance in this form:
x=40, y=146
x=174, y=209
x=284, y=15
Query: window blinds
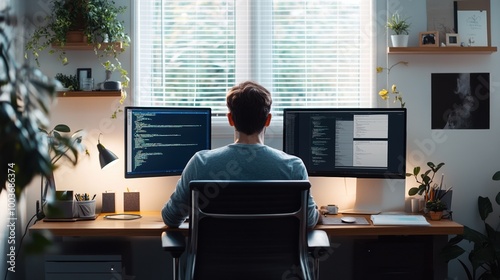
x=308, y=53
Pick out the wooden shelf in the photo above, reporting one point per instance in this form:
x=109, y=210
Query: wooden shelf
x=95, y=93
x=442, y=50
x=80, y=46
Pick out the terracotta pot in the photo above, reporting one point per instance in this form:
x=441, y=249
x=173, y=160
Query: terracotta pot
x=75, y=37
x=436, y=215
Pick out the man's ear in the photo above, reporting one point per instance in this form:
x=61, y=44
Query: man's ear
x=268, y=120
x=230, y=119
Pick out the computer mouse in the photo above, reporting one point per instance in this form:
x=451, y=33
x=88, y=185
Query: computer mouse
x=348, y=219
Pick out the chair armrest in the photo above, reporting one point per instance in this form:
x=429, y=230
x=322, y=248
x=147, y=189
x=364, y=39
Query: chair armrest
x=317, y=239
x=173, y=242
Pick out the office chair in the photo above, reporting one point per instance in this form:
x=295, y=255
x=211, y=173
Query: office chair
x=247, y=230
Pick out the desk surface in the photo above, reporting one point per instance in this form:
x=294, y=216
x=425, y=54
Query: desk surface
x=151, y=224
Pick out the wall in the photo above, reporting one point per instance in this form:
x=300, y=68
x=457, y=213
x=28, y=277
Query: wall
x=470, y=155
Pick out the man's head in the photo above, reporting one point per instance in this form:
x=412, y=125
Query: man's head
x=249, y=105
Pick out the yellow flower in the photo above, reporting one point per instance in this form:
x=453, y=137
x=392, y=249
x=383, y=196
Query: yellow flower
x=384, y=94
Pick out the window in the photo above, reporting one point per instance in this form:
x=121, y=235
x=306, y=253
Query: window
x=308, y=53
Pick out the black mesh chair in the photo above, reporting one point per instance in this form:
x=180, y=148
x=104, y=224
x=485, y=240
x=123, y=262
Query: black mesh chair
x=247, y=230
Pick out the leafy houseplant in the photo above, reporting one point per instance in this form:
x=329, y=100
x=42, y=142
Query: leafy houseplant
x=399, y=25
x=26, y=96
x=425, y=181
x=98, y=22
x=68, y=81
x=484, y=257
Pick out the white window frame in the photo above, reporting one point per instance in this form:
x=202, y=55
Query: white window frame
x=252, y=58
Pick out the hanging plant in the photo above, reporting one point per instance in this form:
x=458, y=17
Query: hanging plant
x=97, y=23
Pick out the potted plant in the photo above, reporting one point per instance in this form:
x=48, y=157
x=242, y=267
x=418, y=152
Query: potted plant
x=95, y=22
x=483, y=257
x=26, y=96
x=69, y=82
x=435, y=208
x=400, y=26
x=425, y=180
x=432, y=192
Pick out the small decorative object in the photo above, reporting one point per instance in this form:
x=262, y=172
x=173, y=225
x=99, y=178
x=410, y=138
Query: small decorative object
x=131, y=201
x=108, y=202
x=429, y=39
x=452, y=40
x=435, y=209
x=384, y=93
x=401, y=27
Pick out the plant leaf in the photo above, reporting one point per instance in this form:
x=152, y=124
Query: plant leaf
x=62, y=128
x=484, y=207
x=413, y=191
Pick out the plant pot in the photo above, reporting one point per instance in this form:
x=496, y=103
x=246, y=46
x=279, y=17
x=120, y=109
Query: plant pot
x=75, y=37
x=399, y=40
x=436, y=215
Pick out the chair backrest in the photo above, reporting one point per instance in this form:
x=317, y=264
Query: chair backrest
x=248, y=230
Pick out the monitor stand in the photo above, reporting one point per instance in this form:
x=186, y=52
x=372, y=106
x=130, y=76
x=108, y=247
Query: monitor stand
x=378, y=195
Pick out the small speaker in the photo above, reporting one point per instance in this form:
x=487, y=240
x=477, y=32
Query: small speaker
x=131, y=201
x=108, y=203
x=111, y=85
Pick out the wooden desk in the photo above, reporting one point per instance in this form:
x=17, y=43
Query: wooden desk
x=355, y=239
x=151, y=224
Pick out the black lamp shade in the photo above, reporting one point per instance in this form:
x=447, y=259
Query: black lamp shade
x=105, y=155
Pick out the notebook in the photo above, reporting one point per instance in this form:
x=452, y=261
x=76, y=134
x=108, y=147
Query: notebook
x=397, y=220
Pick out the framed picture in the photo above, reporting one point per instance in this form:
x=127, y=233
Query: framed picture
x=82, y=74
x=452, y=40
x=429, y=39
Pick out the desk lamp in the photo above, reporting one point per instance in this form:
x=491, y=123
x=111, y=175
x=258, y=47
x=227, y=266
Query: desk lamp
x=105, y=156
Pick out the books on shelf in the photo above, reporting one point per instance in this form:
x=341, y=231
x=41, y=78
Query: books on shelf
x=399, y=220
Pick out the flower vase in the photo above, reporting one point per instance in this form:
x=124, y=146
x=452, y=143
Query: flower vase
x=399, y=40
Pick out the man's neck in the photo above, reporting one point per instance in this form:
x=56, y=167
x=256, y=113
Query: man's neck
x=242, y=138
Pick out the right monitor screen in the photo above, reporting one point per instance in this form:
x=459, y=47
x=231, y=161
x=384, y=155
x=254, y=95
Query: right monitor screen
x=340, y=142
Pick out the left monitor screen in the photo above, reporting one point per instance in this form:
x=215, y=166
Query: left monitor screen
x=159, y=141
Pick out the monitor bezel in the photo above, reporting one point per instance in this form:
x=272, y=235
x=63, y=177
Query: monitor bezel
x=127, y=109
x=352, y=173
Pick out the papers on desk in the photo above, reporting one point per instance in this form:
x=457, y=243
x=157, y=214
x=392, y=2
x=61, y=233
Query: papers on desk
x=399, y=220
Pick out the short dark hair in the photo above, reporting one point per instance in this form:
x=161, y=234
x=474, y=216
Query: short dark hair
x=249, y=104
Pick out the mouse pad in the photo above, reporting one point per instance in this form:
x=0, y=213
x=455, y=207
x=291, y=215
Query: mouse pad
x=337, y=221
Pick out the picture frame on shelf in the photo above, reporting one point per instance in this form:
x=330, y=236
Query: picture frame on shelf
x=83, y=74
x=429, y=39
x=452, y=40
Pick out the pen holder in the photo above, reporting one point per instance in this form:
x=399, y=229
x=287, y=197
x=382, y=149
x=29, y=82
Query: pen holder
x=85, y=209
x=108, y=203
x=131, y=201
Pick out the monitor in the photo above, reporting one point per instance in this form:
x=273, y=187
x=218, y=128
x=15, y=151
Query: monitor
x=358, y=143
x=159, y=141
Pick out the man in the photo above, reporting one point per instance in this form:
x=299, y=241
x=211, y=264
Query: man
x=247, y=158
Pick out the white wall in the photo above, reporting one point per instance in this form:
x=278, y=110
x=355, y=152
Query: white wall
x=471, y=156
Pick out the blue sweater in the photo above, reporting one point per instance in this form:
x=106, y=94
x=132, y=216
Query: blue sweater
x=235, y=162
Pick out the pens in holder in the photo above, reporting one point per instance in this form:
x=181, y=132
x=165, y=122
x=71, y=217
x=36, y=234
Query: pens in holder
x=83, y=197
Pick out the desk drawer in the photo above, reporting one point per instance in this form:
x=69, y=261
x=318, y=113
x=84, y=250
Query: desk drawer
x=76, y=267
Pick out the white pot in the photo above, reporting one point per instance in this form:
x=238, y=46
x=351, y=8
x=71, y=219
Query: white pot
x=399, y=40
